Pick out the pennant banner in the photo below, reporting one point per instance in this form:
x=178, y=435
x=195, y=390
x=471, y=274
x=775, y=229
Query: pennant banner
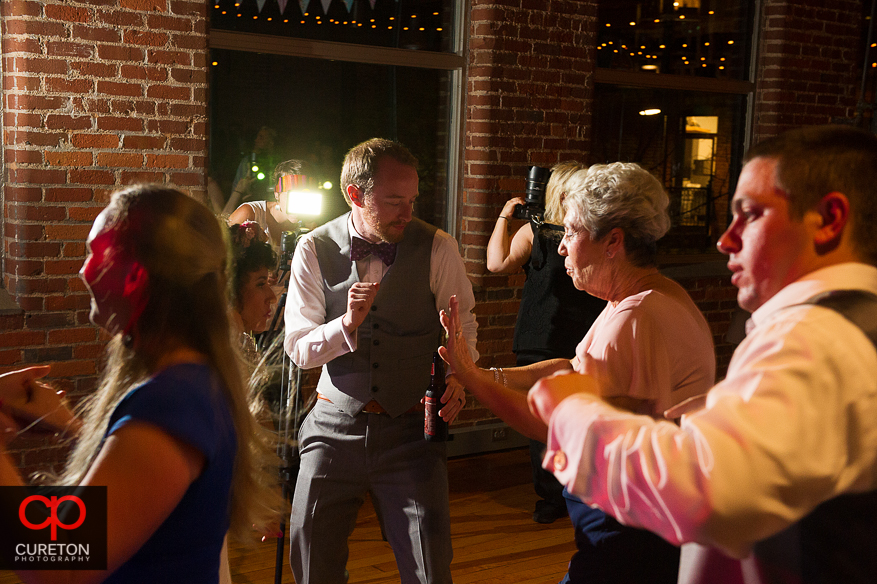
x=304, y=5
x=282, y=4
x=349, y=4
x=325, y=4
x=260, y=4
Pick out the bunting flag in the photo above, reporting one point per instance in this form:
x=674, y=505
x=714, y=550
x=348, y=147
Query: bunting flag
x=325, y=4
x=372, y=2
x=260, y=4
x=282, y=4
x=304, y=5
x=349, y=4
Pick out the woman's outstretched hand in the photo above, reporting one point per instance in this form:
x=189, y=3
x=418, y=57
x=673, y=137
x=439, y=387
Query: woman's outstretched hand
x=456, y=353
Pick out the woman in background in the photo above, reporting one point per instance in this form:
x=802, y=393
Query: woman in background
x=553, y=316
x=252, y=298
x=651, y=345
x=170, y=427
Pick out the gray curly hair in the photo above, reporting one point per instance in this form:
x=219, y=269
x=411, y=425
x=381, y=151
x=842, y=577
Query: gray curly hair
x=623, y=195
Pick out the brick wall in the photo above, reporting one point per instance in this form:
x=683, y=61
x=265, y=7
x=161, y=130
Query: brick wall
x=96, y=95
x=809, y=64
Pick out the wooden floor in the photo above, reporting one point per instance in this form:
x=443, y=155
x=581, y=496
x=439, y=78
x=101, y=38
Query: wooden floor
x=495, y=539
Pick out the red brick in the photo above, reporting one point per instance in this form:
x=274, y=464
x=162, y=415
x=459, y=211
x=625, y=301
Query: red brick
x=34, y=27
x=67, y=232
x=119, y=53
x=92, y=351
x=120, y=18
x=167, y=161
x=145, y=5
x=36, y=102
x=26, y=45
x=119, y=124
x=96, y=33
x=189, y=75
x=68, y=302
x=69, y=158
x=10, y=357
x=24, y=268
x=64, y=85
x=24, y=157
x=21, y=8
x=169, y=57
x=67, y=13
x=151, y=39
x=163, y=22
x=37, y=176
x=95, y=140
x=41, y=213
x=69, y=195
x=130, y=178
x=169, y=92
x=92, y=177
x=120, y=160
x=65, y=122
x=77, y=248
x=87, y=214
x=68, y=49
x=62, y=267
x=133, y=142
x=73, y=368
x=21, y=83
x=183, y=8
x=144, y=73
x=22, y=339
x=91, y=69
x=39, y=65
x=34, y=249
x=115, y=88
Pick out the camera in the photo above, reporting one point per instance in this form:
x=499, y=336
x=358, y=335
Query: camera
x=288, y=241
x=534, y=196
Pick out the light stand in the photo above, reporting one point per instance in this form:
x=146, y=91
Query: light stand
x=290, y=405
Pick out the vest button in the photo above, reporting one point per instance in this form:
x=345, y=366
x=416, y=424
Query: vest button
x=375, y=365
x=376, y=342
x=375, y=325
x=374, y=308
x=374, y=388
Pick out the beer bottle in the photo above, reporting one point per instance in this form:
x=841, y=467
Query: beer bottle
x=435, y=429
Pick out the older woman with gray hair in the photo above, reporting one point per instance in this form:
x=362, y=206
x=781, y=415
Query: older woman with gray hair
x=651, y=345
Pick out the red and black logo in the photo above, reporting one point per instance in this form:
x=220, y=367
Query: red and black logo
x=53, y=528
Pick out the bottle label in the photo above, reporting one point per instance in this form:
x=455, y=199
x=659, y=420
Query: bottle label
x=431, y=418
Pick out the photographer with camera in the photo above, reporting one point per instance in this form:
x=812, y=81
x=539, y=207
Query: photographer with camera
x=271, y=215
x=553, y=316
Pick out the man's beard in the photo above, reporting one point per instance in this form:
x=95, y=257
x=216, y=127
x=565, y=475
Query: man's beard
x=382, y=231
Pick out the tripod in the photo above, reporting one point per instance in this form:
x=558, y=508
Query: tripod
x=290, y=405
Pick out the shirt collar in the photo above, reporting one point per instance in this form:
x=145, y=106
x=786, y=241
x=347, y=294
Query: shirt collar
x=846, y=276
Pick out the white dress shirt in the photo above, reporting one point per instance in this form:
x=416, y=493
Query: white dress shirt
x=310, y=341
x=793, y=424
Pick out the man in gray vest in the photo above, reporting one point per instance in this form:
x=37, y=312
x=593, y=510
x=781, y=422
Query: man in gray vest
x=774, y=479
x=365, y=292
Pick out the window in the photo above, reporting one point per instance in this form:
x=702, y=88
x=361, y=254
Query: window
x=672, y=94
x=322, y=96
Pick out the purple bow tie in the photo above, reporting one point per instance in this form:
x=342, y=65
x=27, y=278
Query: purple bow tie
x=361, y=249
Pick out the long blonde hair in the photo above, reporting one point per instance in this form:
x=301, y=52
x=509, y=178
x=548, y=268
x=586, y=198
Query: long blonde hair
x=183, y=248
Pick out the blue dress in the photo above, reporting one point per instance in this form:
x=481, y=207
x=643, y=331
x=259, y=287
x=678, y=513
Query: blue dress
x=186, y=402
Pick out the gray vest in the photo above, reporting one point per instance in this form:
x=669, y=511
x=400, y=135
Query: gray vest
x=396, y=341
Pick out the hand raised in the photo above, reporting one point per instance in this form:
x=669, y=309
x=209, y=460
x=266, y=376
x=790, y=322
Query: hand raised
x=456, y=353
x=360, y=298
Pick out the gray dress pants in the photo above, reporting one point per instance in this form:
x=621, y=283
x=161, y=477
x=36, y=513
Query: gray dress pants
x=342, y=459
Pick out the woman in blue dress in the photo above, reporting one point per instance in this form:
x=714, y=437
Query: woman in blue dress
x=170, y=430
